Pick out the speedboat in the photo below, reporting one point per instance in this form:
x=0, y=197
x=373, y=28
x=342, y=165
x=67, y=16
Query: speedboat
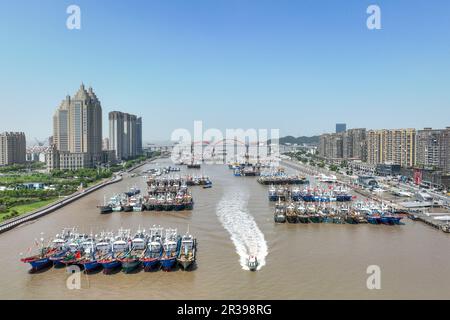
x=252, y=263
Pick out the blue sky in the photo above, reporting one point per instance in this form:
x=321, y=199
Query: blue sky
x=299, y=65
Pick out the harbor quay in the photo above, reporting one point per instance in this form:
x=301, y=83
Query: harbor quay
x=433, y=214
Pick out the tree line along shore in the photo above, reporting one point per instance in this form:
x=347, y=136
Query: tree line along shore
x=28, y=187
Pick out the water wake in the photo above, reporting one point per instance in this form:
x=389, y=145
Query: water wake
x=245, y=234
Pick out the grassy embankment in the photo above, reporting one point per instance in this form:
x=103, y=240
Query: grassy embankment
x=17, y=200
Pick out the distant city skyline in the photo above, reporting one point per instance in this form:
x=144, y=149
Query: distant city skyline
x=297, y=66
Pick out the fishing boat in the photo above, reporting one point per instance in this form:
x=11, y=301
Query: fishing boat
x=193, y=165
x=42, y=259
x=105, y=208
x=138, y=205
x=154, y=250
x=160, y=201
x=361, y=219
x=325, y=215
x=74, y=252
x=207, y=185
x=338, y=219
x=445, y=227
x=350, y=218
x=291, y=215
x=187, y=255
x=188, y=202
x=133, y=191
x=342, y=195
x=93, y=253
x=281, y=193
x=296, y=194
x=171, y=245
x=119, y=247
x=178, y=204
x=280, y=212
x=87, y=250
x=252, y=263
x=150, y=203
x=168, y=205
x=250, y=171
x=315, y=217
x=390, y=219
x=128, y=205
x=116, y=203
x=131, y=260
x=374, y=219
x=307, y=196
x=59, y=244
x=273, y=193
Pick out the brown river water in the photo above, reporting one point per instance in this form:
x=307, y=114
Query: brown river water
x=232, y=220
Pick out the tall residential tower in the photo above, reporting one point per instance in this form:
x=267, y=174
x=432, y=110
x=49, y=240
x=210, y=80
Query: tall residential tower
x=12, y=148
x=77, y=132
x=125, y=135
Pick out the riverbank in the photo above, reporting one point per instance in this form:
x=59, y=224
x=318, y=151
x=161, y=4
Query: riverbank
x=16, y=221
x=12, y=223
x=26, y=208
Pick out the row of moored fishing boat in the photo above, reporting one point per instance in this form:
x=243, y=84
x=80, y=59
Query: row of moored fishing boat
x=358, y=213
x=152, y=250
x=331, y=194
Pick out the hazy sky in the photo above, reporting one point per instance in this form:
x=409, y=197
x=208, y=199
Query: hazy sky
x=300, y=66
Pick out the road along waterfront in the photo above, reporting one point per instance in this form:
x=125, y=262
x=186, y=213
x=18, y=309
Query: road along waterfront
x=301, y=260
x=12, y=223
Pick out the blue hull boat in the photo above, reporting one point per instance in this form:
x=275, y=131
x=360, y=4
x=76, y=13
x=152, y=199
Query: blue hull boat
x=308, y=198
x=396, y=220
x=57, y=259
x=91, y=265
x=386, y=220
x=40, y=264
x=178, y=207
x=168, y=263
x=343, y=198
x=110, y=265
x=374, y=220
x=150, y=264
x=390, y=220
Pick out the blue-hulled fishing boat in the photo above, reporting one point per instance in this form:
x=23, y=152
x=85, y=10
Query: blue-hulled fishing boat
x=171, y=246
x=154, y=250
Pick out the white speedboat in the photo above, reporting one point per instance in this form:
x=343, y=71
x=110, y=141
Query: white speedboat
x=252, y=263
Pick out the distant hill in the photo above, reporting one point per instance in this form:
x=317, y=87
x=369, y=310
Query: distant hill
x=299, y=140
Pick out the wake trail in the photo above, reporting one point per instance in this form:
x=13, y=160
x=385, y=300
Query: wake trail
x=245, y=234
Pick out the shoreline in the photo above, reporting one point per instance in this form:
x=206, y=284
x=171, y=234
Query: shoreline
x=36, y=214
